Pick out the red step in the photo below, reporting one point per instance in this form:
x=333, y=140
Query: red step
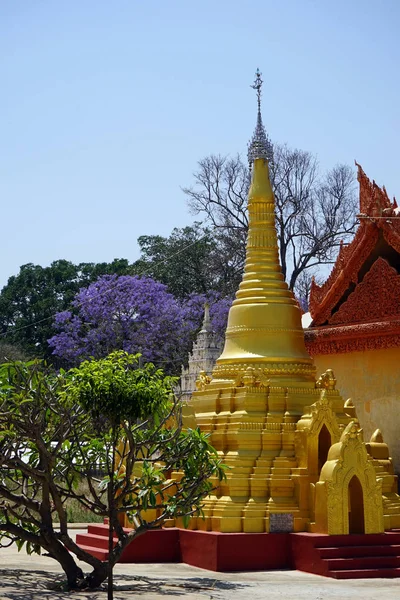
x=347, y=556
x=376, y=557
x=365, y=539
x=95, y=541
x=365, y=573
x=364, y=562
x=357, y=551
x=96, y=552
x=100, y=529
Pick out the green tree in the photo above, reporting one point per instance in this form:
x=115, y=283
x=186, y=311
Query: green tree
x=55, y=426
x=191, y=260
x=31, y=298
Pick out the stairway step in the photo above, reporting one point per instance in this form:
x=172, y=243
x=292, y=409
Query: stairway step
x=93, y=540
x=391, y=537
x=365, y=562
x=358, y=551
x=96, y=552
x=365, y=573
x=100, y=529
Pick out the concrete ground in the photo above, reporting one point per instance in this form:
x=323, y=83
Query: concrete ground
x=24, y=577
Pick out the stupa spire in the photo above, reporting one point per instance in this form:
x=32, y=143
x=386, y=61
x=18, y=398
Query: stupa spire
x=264, y=325
x=260, y=145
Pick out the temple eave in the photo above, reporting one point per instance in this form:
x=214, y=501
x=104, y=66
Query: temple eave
x=353, y=337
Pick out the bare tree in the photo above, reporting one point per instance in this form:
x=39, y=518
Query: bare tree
x=313, y=212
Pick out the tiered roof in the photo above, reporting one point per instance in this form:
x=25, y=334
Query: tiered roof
x=358, y=307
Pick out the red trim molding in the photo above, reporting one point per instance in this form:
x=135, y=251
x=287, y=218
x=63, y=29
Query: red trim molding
x=353, y=338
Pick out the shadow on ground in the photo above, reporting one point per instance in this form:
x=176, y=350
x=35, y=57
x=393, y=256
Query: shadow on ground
x=19, y=584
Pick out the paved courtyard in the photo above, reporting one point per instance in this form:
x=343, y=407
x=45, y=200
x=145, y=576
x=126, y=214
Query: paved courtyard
x=24, y=577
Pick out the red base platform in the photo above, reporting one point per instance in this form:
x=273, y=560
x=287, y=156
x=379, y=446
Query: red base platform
x=235, y=551
x=339, y=556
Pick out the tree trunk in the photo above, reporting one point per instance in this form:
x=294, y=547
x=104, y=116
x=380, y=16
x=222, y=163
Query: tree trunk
x=75, y=577
x=74, y=573
x=96, y=577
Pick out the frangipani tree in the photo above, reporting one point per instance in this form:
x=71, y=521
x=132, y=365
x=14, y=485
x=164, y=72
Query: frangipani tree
x=55, y=426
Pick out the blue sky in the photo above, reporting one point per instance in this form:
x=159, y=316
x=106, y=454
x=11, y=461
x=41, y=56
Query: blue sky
x=106, y=107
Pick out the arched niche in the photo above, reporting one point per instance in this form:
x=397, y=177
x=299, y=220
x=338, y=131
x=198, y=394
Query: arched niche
x=348, y=484
x=316, y=431
x=356, y=506
x=324, y=444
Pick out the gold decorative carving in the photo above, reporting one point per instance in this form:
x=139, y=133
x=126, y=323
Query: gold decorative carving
x=249, y=377
x=240, y=329
x=379, y=451
x=252, y=378
x=226, y=371
x=349, y=408
x=326, y=380
x=377, y=436
x=202, y=381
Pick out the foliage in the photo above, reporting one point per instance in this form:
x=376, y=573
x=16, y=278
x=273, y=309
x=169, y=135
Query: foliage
x=114, y=312
x=49, y=440
x=113, y=388
x=31, y=298
x=136, y=314
x=191, y=260
x=313, y=212
x=10, y=352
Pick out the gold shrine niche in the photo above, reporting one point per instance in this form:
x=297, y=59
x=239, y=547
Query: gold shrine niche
x=348, y=495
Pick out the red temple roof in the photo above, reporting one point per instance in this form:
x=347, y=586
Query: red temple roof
x=362, y=294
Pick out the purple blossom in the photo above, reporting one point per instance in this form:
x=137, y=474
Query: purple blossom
x=136, y=314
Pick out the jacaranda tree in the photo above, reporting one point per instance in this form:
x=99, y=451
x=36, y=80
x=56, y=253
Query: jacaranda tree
x=136, y=314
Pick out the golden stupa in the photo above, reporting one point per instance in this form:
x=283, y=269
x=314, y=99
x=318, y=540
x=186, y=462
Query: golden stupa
x=294, y=448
